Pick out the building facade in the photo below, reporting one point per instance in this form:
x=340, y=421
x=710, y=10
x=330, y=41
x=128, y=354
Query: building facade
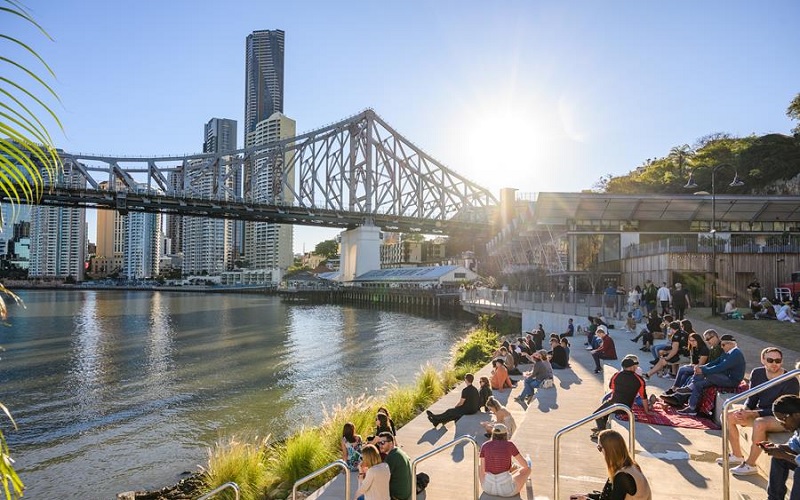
x=58, y=235
x=263, y=77
x=142, y=245
x=109, y=249
x=269, y=245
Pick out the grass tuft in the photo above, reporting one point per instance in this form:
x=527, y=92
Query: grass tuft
x=240, y=460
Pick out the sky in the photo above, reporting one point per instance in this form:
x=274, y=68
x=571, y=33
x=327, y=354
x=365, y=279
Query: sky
x=535, y=95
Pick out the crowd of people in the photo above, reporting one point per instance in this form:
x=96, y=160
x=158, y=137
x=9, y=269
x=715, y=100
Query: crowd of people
x=695, y=362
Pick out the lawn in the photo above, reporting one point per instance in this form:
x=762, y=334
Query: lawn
x=778, y=333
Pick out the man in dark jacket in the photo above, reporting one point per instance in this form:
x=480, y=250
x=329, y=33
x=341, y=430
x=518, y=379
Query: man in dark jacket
x=725, y=371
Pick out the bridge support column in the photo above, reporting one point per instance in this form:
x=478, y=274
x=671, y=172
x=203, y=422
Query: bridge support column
x=361, y=251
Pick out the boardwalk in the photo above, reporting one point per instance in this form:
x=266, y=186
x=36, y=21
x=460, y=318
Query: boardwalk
x=680, y=463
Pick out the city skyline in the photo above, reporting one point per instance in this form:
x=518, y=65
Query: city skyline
x=580, y=89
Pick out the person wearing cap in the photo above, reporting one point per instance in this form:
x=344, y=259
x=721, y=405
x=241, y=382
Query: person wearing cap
x=498, y=474
x=607, y=349
x=625, y=385
x=725, y=371
x=541, y=371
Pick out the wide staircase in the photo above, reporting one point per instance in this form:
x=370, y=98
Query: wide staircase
x=679, y=463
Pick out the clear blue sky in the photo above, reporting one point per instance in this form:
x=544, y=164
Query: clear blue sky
x=536, y=95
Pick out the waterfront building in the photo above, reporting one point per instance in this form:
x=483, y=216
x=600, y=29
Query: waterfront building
x=109, y=250
x=174, y=223
x=397, y=252
x=263, y=77
x=58, y=234
x=142, y=245
x=416, y=277
x=269, y=245
x=580, y=239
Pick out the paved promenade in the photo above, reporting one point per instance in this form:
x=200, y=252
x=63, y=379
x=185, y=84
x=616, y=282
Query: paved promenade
x=679, y=463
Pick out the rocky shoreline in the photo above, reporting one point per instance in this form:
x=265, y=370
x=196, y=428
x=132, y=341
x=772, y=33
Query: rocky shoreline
x=185, y=489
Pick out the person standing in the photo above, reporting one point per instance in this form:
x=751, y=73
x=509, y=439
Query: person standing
x=664, y=298
x=399, y=467
x=650, y=296
x=754, y=288
x=680, y=301
x=625, y=477
x=469, y=404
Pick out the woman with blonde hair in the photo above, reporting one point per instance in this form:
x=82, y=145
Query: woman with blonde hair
x=500, y=415
x=625, y=478
x=373, y=477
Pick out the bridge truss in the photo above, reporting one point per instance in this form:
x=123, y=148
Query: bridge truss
x=356, y=171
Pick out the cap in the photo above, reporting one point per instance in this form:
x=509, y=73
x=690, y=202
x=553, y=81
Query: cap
x=628, y=362
x=499, y=429
x=763, y=299
x=729, y=338
x=601, y=328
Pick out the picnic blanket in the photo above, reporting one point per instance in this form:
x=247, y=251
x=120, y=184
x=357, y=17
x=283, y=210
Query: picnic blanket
x=664, y=414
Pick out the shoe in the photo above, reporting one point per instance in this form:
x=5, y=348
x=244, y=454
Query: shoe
x=744, y=469
x=670, y=391
x=672, y=401
x=732, y=460
x=597, y=370
x=653, y=362
x=593, y=437
x=683, y=390
x=431, y=418
x=688, y=411
x=646, y=376
x=668, y=376
x=644, y=349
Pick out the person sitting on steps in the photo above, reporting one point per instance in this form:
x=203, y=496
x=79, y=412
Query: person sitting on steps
x=607, y=349
x=725, y=371
x=469, y=404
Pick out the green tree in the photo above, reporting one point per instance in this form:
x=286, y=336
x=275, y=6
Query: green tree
x=26, y=153
x=793, y=112
x=327, y=248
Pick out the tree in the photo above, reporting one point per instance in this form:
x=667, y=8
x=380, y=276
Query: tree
x=26, y=149
x=327, y=248
x=793, y=112
x=680, y=155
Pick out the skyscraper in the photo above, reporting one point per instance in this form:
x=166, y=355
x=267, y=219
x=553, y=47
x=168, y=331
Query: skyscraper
x=220, y=135
x=263, y=93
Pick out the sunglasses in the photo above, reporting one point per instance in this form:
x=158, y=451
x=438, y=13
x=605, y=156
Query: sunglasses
x=777, y=361
x=381, y=443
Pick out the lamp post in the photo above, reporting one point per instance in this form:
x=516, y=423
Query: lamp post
x=690, y=184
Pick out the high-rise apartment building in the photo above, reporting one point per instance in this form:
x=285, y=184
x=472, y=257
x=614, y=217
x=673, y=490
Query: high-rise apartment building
x=174, y=223
x=110, y=245
x=263, y=77
x=142, y=245
x=58, y=234
x=220, y=135
x=269, y=245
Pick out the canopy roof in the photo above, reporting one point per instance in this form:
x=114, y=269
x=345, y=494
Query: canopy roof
x=557, y=208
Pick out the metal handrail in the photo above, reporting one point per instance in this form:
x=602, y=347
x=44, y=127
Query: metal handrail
x=232, y=485
x=436, y=451
x=337, y=463
x=726, y=479
x=606, y=411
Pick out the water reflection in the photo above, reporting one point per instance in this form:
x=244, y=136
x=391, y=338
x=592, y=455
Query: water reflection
x=117, y=391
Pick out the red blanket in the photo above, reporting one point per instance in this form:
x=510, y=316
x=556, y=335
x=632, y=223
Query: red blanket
x=664, y=414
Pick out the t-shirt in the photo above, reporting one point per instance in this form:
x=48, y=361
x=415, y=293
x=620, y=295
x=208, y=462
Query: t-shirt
x=702, y=350
x=472, y=400
x=763, y=400
x=625, y=386
x=400, y=470
x=497, y=455
x=679, y=298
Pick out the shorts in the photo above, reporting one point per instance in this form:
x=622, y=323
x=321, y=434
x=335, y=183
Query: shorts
x=501, y=485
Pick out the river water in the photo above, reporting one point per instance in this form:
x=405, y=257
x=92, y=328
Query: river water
x=123, y=390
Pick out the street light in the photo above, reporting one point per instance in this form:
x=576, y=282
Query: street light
x=690, y=184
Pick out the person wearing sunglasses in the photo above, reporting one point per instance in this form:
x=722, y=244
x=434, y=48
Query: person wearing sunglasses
x=399, y=467
x=757, y=412
x=625, y=477
x=725, y=371
x=786, y=410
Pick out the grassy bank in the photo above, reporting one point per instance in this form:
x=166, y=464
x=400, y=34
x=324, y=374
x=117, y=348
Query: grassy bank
x=266, y=469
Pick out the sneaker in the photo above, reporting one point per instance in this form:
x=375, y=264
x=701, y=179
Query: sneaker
x=732, y=460
x=744, y=469
x=683, y=390
x=668, y=376
x=646, y=376
x=597, y=370
x=688, y=411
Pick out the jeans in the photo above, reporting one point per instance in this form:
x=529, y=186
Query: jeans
x=531, y=384
x=659, y=347
x=778, y=473
x=700, y=383
x=685, y=373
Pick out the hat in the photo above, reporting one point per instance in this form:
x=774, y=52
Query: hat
x=499, y=429
x=628, y=362
x=542, y=353
x=728, y=338
x=601, y=328
x=763, y=299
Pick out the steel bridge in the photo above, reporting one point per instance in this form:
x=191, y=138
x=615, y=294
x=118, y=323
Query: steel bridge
x=346, y=174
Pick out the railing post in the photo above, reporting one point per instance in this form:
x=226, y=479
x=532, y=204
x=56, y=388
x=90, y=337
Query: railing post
x=606, y=411
x=337, y=463
x=436, y=451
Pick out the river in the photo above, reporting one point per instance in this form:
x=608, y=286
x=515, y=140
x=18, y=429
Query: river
x=123, y=390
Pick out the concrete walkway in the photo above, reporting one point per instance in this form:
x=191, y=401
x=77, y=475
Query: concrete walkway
x=679, y=463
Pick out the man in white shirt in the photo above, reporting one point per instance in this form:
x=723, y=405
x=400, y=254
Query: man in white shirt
x=664, y=297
